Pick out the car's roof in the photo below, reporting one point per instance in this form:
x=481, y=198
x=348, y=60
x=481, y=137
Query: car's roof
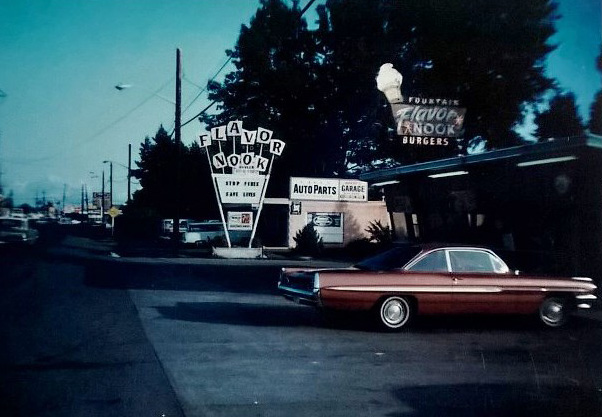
x=428, y=246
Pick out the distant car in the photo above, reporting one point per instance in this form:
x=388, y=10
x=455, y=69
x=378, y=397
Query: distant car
x=407, y=281
x=17, y=230
x=203, y=233
x=167, y=226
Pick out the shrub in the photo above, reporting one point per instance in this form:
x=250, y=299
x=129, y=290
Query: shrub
x=308, y=241
x=379, y=233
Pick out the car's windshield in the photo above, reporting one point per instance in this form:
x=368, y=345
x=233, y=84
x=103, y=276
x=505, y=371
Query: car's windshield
x=391, y=259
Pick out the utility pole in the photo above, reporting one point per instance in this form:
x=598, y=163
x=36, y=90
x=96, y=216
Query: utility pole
x=129, y=173
x=64, y=195
x=111, y=184
x=102, y=200
x=177, y=128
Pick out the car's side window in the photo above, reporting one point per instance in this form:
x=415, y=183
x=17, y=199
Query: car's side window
x=471, y=261
x=498, y=265
x=432, y=262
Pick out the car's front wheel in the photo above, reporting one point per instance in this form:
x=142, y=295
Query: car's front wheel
x=554, y=311
x=394, y=312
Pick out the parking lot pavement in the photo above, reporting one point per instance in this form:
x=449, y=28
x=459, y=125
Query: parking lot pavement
x=236, y=353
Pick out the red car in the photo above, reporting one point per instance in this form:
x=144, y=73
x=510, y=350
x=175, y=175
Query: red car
x=406, y=281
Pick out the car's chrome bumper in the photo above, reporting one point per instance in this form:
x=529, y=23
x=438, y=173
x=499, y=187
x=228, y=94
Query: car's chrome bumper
x=585, y=301
x=300, y=296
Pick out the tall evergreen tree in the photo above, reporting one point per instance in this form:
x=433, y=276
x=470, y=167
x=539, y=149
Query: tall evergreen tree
x=158, y=174
x=561, y=119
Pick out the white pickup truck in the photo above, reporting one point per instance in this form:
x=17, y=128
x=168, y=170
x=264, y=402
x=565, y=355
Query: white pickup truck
x=203, y=233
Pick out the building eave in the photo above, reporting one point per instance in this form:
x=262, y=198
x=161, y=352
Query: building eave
x=553, y=146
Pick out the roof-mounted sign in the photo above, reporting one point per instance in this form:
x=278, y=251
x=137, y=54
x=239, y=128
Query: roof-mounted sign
x=420, y=121
x=429, y=121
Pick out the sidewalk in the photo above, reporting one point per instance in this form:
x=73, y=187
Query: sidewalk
x=162, y=252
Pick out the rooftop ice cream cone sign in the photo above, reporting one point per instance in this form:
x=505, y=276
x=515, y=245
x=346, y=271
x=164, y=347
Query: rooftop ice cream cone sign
x=241, y=163
x=421, y=121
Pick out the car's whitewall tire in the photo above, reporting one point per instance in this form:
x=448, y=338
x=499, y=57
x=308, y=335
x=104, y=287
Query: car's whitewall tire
x=554, y=311
x=394, y=312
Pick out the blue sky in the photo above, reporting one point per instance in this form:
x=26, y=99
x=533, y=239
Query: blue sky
x=61, y=59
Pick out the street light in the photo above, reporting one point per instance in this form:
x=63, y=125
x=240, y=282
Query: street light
x=129, y=176
x=389, y=82
x=122, y=87
x=110, y=182
x=178, y=140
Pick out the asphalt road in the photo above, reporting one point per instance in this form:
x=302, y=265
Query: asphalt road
x=110, y=337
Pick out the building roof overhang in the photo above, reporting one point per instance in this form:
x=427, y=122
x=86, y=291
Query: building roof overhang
x=556, y=146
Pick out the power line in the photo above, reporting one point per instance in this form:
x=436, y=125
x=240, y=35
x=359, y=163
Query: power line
x=95, y=135
x=307, y=6
x=205, y=88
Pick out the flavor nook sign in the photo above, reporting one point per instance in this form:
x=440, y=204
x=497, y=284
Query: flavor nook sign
x=429, y=121
x=241, y=164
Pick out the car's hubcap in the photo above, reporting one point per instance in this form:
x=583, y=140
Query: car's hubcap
x=552, y=312
x=394, y=312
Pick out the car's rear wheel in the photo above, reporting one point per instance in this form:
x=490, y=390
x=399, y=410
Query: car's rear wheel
x=554, y=311
x=394, y=312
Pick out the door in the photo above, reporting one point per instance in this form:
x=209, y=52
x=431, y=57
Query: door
x=479, y=280
x=431, y=281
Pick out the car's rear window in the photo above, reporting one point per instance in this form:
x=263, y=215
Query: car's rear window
x=391, y=259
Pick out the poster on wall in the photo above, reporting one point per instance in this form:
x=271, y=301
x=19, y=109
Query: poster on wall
x=328, y=225
x=240, y=220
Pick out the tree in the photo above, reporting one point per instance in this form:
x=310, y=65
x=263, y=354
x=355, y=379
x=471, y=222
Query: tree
x=561, y=119
x=276, y=86
x=595, y=120
x=157, y=171
x=489, y=55
x=316, y=88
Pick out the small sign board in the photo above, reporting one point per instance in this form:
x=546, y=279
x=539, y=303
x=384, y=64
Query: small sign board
x=240, y=220
x=328, y=225
x=296, y=208
x=240, y=189
x=114, y=212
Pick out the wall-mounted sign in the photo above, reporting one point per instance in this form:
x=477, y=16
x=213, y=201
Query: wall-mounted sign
x=240, y=220
x=328, y=225
x=295, y=208
x=353, y=190
x=314, y=189
x=429, y=121
x=328, y=189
